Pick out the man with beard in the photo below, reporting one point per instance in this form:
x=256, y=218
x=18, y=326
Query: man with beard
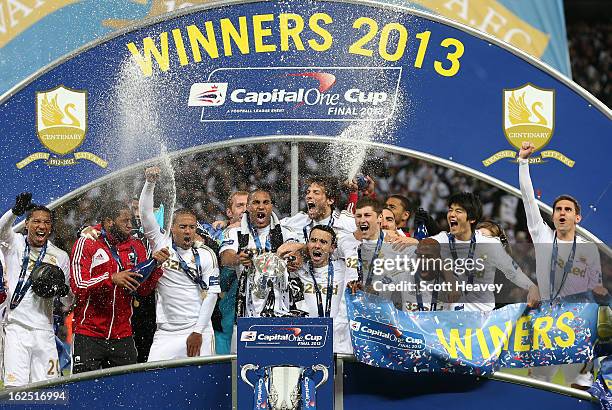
x=187, y=291
x=321, y=199
x=323, y=283
x=259, y=232
x=566, y=263
x=104, y=281
x=475, y=257
x=29, y=350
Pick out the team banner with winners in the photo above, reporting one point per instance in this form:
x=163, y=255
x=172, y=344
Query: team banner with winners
x=477, y=343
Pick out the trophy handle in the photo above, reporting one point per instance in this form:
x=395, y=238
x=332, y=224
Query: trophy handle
x=243, y=373
x=322, y=368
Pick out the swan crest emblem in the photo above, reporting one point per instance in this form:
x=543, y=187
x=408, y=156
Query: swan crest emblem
x=61, y=119
x=529, y=115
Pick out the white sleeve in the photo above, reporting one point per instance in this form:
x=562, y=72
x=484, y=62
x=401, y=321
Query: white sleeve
x=152, y=230
x=206, y=310
x=535, y=223
x=594, y=268
x=210, y=269
x=230, y=241
x=6, y=226
x=509, y=267
x=289, y=234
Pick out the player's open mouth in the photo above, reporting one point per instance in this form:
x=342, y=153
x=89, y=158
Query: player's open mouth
x=41, y=234
x=562, y=220
x=453, y=223
x=364, y=227
x=261, y=217
x=311, y=205
x=317, y=253
x=187, y=239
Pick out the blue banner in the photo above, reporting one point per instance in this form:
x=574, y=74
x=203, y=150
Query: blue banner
x=470, y=342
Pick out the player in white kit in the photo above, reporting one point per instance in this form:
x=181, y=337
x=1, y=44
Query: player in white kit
x=566, y=264
x=321, y=198
x=30, y=354
x=187, y=291
x=259, y=232
x=464, y=243
x=323, y=282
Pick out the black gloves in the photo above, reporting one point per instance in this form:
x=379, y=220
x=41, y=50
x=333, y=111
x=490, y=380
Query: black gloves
x=422, y=217
x=23, y=203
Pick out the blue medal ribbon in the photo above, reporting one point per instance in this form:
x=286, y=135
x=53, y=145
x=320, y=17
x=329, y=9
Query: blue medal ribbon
x=566, y=268
x=305, y=229
x=309, y=391
x=330, y=290
x=253, y=231
x=198, y=277
x=112, y=249
x=22, y=288
x=374, y=257
x=453, y=249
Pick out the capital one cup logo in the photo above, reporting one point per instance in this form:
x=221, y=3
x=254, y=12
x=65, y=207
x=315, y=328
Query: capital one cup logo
x=529, y=116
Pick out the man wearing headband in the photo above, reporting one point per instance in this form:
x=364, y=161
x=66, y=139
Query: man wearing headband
x=187, y=291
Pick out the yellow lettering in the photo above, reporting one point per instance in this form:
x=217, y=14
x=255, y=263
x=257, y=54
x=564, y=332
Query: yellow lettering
x=293, y=32
x=571, y=335
x=498, y=336
x=149, y=46
x=241, y=39
x=520, y=333
x=483, y=343
x=541, y=326
x=260, y=32
x=197, y=39
x=180, y=46
x=313, y=23
x=455, y=343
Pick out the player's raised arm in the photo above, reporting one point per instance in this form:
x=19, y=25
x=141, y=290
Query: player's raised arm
x=152, y=230
x=23, y=202
x=535, y=223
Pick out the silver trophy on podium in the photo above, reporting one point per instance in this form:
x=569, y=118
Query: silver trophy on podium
x=284, y=385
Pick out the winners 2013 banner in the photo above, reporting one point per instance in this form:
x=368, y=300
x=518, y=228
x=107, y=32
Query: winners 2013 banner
x=476, y=343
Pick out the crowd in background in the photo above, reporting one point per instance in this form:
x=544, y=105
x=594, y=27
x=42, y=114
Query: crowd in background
x=590, y=47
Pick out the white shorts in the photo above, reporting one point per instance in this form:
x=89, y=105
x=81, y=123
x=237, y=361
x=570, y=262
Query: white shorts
x=168, y=345
x=30, y=355
x=342, y=338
